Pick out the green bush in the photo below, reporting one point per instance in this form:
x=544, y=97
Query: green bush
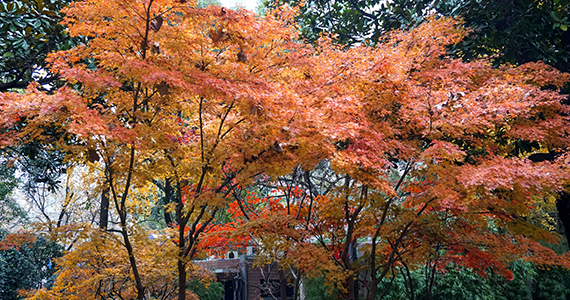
x=27, y=267
x=212, y=291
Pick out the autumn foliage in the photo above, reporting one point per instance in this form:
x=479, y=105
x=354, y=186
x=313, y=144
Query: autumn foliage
x=336, y=162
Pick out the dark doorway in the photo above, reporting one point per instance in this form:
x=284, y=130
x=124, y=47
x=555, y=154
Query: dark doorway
x=228, y=290
x=233, y=289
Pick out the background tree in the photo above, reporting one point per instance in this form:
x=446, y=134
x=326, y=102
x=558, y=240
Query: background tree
x=30, y=30
x=516, y=32
x=11, y=212
x=26, y=263
x=131, y=106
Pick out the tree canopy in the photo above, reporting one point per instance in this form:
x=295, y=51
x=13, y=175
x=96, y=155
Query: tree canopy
x=507, y=31
x=345, y=162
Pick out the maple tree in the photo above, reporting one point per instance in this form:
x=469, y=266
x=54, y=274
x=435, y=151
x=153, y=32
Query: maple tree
x=98, y=268
x=400, y=153
x=167, y=91
x=424, y=149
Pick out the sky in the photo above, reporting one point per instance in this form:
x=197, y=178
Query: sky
x=249, y=4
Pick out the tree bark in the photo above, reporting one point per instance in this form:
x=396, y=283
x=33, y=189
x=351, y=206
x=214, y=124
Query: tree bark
x=181, y=278
x=104, y=211
x=168, y=195
x=282, y=284
x=129, y=247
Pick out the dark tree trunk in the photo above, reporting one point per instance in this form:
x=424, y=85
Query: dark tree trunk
x=104, y=212
x=168, y=195
x=563, y=202
x=181, y=279
x=563, y=206
x=130, y=251
x=351, y=288
x=296, y=287
x=282, y=284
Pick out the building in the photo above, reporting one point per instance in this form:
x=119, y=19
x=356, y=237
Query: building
x=244, y=281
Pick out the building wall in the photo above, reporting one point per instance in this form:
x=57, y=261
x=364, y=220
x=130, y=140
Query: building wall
x=250, y=282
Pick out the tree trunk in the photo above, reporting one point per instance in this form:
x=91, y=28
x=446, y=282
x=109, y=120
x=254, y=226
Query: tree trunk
x=104, y=211
x=373, y=290
x=138, y=282
x=296, y=287
x=181, y=261
x=168, y=195
x=351, y=288
x=282, y=284
x=181, y=278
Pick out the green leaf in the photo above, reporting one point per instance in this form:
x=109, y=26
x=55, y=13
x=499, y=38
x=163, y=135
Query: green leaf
x=36, y=23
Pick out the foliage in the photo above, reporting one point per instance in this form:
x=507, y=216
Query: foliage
x=461, y=283
x=351, y=21
x=26, y=263
x=206, y=3
x=401, y=154
x=519, y=31
x=552, y=283
x=10, y=210
x=209, y=291
x=98, y=268
x=509, y=31
x=315, y=289
x=424, y=165
x=30, y=30
x=452, y=283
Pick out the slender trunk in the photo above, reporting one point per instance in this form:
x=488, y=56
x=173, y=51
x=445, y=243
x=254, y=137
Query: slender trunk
x=372, y=268
x=181, y=261
x=431, y=282
x=104, y=211
x=348, y=261
x=408, y=282
x=351, y=288
x=296, y=287
x=563, y=206
x=121, y=210
x=168, y=195
x=302, y=295
x=138, y=282
x=182, y=223
x=181, y=278
x=372, y=290
x=282, y=283
x=433, y=271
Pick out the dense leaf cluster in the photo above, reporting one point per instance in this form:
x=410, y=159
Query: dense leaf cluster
x=27, y=266
x=30, y=30
x=516, y=32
